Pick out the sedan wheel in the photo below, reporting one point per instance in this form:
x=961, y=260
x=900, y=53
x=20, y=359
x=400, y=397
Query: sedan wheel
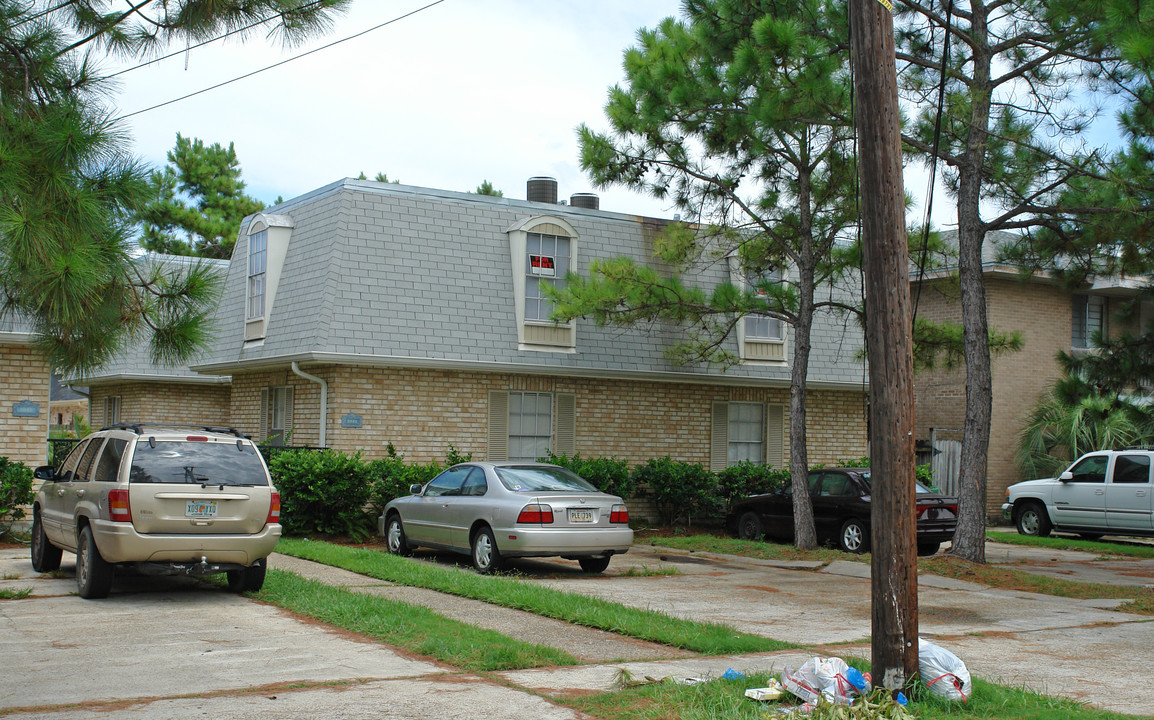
x=749, y=527
x=594, y=565
x=45, y=555
x=928, y=548
x=395, y=537
x=93, y=573
x=854, y=537
x=486, y=556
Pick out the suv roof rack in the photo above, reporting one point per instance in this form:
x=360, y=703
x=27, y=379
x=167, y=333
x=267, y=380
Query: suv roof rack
x=1139, y=447
x=138, y=428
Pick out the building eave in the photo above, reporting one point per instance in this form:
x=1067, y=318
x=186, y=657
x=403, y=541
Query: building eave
x=390, y=361
x=142, y=377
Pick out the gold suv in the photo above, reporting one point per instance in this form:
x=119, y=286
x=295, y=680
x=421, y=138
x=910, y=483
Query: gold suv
x=165, y=500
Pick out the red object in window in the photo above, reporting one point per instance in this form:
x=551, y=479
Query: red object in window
x=118, y=508
x=535, y=513
x=619, y=514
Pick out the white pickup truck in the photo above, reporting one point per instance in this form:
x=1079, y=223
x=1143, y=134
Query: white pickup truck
x=1103, y=493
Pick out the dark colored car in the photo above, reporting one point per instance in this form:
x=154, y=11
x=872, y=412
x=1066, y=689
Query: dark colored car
x=841, y=512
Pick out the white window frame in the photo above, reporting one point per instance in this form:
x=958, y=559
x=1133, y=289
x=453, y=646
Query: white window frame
x=746, y=438
x=545, y=249
x=112, y=410
x=542, y=425
x=763, y=327
x=257, y=274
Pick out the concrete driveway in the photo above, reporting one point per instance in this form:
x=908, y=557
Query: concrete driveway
x=178, y=648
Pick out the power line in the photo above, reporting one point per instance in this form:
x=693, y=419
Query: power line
x=282, y=62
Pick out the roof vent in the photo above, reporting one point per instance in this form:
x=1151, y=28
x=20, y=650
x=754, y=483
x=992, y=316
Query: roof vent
x=589, y=201
x=541, y=189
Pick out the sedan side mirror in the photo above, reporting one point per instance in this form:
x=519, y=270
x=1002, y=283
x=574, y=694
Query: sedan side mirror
x=1066, y=476
x=415, y=489
x=44, y=472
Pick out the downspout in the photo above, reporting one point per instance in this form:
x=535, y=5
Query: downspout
x=324, y=400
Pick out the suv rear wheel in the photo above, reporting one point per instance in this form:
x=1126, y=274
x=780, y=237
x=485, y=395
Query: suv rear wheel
x=93, y=573
x=251, y=579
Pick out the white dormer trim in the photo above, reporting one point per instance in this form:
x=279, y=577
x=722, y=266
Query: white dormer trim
x=534, y=334
x=278, y=229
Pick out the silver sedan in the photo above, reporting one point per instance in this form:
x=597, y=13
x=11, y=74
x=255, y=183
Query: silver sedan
x=497, y=510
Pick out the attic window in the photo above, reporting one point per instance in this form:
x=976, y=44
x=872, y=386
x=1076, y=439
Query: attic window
x=546, y=264
x=257, y=266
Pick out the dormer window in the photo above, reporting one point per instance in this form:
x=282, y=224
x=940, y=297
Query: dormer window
x=546, y=264
x=759, y=337
x=760, y=327
x=268, y=239
x=543, y=250
x=257, y=267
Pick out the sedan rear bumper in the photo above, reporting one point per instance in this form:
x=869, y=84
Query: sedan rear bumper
x=543, y=542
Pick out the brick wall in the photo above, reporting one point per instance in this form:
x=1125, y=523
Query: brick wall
x=1041, y=313
x=24, y=375
x=422, y=412
x=162, y=402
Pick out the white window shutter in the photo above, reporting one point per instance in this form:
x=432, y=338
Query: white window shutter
x=498, y=426
x=288, y=416
x=775, y=418
x=719, y=438
x=264, y=413
x=565, y=434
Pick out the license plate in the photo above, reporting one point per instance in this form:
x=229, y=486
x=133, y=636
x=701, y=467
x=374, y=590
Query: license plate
x=200, y=509
x=580, y=516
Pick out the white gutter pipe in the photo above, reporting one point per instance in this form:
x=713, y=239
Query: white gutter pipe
x=324, y=400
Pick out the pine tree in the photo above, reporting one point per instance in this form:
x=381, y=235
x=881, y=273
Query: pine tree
x=206, y=224
x=69, y=186
x=739, y=116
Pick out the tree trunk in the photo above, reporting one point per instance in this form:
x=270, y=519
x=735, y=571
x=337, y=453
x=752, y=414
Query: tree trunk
x=805, y=534
x=970, y=537
x=889, y=346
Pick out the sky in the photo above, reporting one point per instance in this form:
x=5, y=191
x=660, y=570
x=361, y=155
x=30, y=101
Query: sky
x=452, y=95
x=458, y=93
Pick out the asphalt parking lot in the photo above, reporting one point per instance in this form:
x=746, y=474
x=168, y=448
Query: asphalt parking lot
x=179, y=648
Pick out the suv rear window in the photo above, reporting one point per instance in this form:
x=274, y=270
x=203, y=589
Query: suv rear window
x=198, y=463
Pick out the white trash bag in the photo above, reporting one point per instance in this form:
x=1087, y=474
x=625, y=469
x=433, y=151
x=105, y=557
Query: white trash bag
x=943, y=673
x=829, y=677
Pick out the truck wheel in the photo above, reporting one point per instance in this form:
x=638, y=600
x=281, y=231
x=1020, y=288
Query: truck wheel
x=1033, y=520
x=93, y=572
x=45, y=555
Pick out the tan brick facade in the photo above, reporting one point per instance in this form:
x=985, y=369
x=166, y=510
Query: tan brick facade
x=422, y=412
x=24, y=376
x=162, y=402
x=1042, y=314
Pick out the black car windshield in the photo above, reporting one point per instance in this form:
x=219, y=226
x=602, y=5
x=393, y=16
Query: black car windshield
x=200, y=463
x=542, y=479
x=918, y=487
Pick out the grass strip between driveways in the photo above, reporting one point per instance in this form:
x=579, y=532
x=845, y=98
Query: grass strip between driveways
x=1135, y=550
x=651, y=625
x=410, y=627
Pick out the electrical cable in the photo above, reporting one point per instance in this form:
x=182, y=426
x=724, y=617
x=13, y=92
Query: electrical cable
x=282, y=62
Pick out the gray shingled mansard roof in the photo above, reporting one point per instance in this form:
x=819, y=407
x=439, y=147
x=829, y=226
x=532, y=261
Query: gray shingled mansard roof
x=391, y=275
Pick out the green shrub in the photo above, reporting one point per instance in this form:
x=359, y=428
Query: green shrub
x=924, y=474
x=390, y=477
x=15, y=492
x=746, y=478
x=607, y=474
x=324, y=492
x=679, y=489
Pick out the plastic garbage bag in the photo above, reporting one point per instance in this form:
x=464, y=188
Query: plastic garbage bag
x=825, y=677
x=943, y=672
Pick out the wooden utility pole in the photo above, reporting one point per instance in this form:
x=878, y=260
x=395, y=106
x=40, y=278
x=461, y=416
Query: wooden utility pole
x=889, y=344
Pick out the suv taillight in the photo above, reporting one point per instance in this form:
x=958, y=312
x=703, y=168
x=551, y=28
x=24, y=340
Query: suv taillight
x=619, y=514
x=118, y=508
x=536, y=514
x=273, y=510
